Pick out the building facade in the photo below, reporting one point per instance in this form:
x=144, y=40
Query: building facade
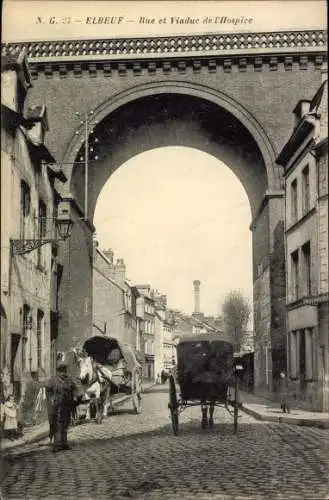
x=109, y=304
x=29, y=207
x=146, y=308
x=114, y=299
x=165, y=349
x=305, y=160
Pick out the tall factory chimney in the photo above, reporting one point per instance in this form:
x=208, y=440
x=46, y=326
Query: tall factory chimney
x=196, y=284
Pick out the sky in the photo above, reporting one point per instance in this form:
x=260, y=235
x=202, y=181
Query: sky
x=174, y=215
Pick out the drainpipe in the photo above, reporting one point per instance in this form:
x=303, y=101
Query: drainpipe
x=287, y=291
x=266, y=365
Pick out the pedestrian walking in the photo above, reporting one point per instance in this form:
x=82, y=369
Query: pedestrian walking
x=9, y=418
x=163, y=377
x=62, y=397
x=284, y=396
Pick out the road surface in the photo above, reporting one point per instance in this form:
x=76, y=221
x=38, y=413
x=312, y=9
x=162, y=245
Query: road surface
x=137, y=456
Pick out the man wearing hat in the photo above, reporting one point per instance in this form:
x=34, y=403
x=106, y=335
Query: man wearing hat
x=61, y=398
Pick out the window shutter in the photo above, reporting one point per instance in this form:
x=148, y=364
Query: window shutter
x=293, y=355
x=34, y=351
x=309, y=354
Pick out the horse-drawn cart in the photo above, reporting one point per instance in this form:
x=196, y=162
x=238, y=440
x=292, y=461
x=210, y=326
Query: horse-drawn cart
x=205, y=370
x=106, y=367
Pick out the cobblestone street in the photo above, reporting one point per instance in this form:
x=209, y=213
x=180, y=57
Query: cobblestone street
x=137, y=456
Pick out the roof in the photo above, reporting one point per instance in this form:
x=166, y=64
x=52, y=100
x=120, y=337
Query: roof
x=17, y=61
x=321, y=147
x=109, y=278
x=55, y=171
x=203, y=337
x=40, y=152
x=317, y=99
x=38, y=114
x=304, y=129
x=12, y=119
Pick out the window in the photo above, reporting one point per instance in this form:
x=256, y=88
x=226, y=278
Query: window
x=306, y=189
x=25, y=208
x=294, y=201
x=42, y=228
x=42, y=219
x=40, y=336
x=295, y=275
x=25, y=334
x=293, y=355
x=306, y=253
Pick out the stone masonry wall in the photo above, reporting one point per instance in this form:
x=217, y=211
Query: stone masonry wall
x=323, y=223
x=280, y=87
x=75, y=291
x=108, y=300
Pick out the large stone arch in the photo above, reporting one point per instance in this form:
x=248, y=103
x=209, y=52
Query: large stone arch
x=199, y=91
x=148, y=116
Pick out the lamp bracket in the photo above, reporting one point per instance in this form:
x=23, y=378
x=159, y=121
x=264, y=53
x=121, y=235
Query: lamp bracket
x=20, y=247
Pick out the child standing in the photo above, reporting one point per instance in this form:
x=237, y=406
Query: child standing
x=284, y=393
x=9, y=420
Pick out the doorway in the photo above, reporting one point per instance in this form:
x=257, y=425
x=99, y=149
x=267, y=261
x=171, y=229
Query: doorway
x=14, y=349
x=302, y=361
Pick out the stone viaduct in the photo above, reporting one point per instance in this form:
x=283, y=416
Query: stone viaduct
x=230, y=95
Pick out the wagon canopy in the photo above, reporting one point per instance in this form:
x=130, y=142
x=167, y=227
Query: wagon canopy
x=100, y=349
x=202, y=357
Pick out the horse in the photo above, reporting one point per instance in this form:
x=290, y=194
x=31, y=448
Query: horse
x=98, y=385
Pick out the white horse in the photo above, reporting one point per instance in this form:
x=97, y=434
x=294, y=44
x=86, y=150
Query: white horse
x=97, y=385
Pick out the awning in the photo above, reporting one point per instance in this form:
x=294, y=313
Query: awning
x=100, y=347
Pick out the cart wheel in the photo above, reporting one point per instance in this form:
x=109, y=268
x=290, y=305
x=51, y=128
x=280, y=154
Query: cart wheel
x=236, y=416
x=136, y=391
x=173, y=405
x=204, y=419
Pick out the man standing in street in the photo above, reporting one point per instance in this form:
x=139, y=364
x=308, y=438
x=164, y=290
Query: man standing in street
x=61, y=398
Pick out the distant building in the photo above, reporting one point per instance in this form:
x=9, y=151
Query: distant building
x=186, y=325
x=305, y=161
x=108, y=296
x=146, y=308
x=114, y=299
x=29, y=206
x=165, y=355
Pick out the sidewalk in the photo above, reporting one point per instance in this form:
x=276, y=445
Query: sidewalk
x=269, y=411
x=41, y=431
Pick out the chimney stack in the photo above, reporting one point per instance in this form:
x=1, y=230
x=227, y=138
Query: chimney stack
x=120, y=271
x=196, y=284
x=109, y=254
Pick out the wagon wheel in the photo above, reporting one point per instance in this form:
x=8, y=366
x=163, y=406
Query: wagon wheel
x=136, y=389
x=173, y=405
x=236, y=405
x=236, y=416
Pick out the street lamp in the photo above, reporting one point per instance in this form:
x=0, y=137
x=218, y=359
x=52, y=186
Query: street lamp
x=63, y=224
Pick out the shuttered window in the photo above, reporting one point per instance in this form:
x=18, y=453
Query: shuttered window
x=293, y=355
